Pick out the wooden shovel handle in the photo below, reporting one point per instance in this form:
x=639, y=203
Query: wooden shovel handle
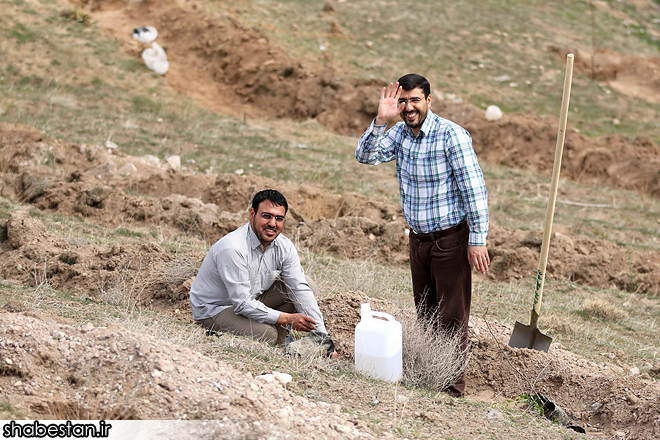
x=545, y=246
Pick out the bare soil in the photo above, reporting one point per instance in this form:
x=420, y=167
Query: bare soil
x=99, y=185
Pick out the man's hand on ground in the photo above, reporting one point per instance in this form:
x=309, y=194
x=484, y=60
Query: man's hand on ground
x=298, y=321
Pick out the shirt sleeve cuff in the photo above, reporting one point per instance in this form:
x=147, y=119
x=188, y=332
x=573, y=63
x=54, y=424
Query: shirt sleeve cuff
x=273, y=316
x=477, y=238
x=378, y=129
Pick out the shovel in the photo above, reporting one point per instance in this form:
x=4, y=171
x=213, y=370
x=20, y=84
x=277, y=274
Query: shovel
x=529, y=336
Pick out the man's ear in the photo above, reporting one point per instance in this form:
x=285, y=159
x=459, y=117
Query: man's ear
x=251, y=214
x=428, y=101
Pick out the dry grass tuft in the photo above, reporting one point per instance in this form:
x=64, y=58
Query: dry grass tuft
x=603, y=310
x=126, y=289
x=179, y=271
x=431, y=359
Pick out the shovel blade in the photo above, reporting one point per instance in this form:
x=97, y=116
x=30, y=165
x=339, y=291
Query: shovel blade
x=524, y=336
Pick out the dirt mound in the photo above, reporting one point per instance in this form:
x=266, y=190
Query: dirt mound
x=48, y=366
x=599, y=396
x=99, y=184
x=598, y=263
x=629, y=74
x=33, y=256
x=234, y=69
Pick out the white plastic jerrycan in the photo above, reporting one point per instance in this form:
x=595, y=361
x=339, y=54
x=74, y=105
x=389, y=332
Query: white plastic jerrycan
x=378, y=342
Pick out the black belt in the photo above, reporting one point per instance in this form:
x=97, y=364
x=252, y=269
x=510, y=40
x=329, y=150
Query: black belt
x=432, y=236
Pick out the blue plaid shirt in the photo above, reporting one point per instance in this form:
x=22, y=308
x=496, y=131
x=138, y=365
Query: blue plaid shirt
x=440, y=180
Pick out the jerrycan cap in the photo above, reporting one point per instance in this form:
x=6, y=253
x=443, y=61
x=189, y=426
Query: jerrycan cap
x=365, y=311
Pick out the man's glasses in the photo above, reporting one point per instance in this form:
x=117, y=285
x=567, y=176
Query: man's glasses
x=413, y=100
x=268, y=216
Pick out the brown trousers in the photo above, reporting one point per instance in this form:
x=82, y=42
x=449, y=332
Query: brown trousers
x=276, y=297
x=442, y=283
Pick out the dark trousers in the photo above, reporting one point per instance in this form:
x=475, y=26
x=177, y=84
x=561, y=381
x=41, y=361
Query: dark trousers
x=442, y=283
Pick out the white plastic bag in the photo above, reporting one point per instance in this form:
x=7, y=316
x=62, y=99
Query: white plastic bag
x=155, y=59
x=145, y=34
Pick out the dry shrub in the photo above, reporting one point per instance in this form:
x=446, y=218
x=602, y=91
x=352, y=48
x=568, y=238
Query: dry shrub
x=126, y=288
x=431, y=359
x=179, y=271
x=59, y=410
x=604, y=310
x=561, y=324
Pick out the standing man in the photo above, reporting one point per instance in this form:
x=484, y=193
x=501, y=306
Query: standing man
x=251, y=282
x=444, y=201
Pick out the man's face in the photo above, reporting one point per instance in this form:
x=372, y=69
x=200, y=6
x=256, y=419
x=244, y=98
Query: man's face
x=267, y=221
x=417, y=107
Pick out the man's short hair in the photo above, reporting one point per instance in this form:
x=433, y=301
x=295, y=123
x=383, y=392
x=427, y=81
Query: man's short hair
x=412, y=81
x=272, y=195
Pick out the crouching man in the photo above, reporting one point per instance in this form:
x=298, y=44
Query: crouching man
x=251, y=282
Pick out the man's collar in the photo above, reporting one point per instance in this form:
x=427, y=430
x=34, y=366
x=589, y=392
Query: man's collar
x=427, y=122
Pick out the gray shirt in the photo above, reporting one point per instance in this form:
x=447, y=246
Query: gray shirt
x=237, y=270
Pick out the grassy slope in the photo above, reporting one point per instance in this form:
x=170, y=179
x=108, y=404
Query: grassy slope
x=461, y=46
x=66, y=79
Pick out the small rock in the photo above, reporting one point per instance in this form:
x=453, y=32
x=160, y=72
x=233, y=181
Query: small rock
x=8, y=361
x=282, y=378
x=632, y=399
x=57, y=334
x=239, y=171
x=127, y=169
x=15, y=328
x=164, y=365
x=254, y=386
x=143, y=349
x=168, y=384
x=344, y=429
x=616, y=121
x=174, y=162
x=266, y=377
x=494, y=414
x=634, y=371
x=156, y=373
x=493, y=113
x=400, y=398
x=87, y=327
x=111, y=145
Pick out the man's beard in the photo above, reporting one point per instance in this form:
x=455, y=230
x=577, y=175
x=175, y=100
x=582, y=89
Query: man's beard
x=420, y=121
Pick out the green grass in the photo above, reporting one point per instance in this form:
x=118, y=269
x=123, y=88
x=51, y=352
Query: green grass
x=461, y=53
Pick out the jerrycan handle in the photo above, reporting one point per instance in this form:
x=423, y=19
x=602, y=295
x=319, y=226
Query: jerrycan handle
x=367, y=313
x=387, y=316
